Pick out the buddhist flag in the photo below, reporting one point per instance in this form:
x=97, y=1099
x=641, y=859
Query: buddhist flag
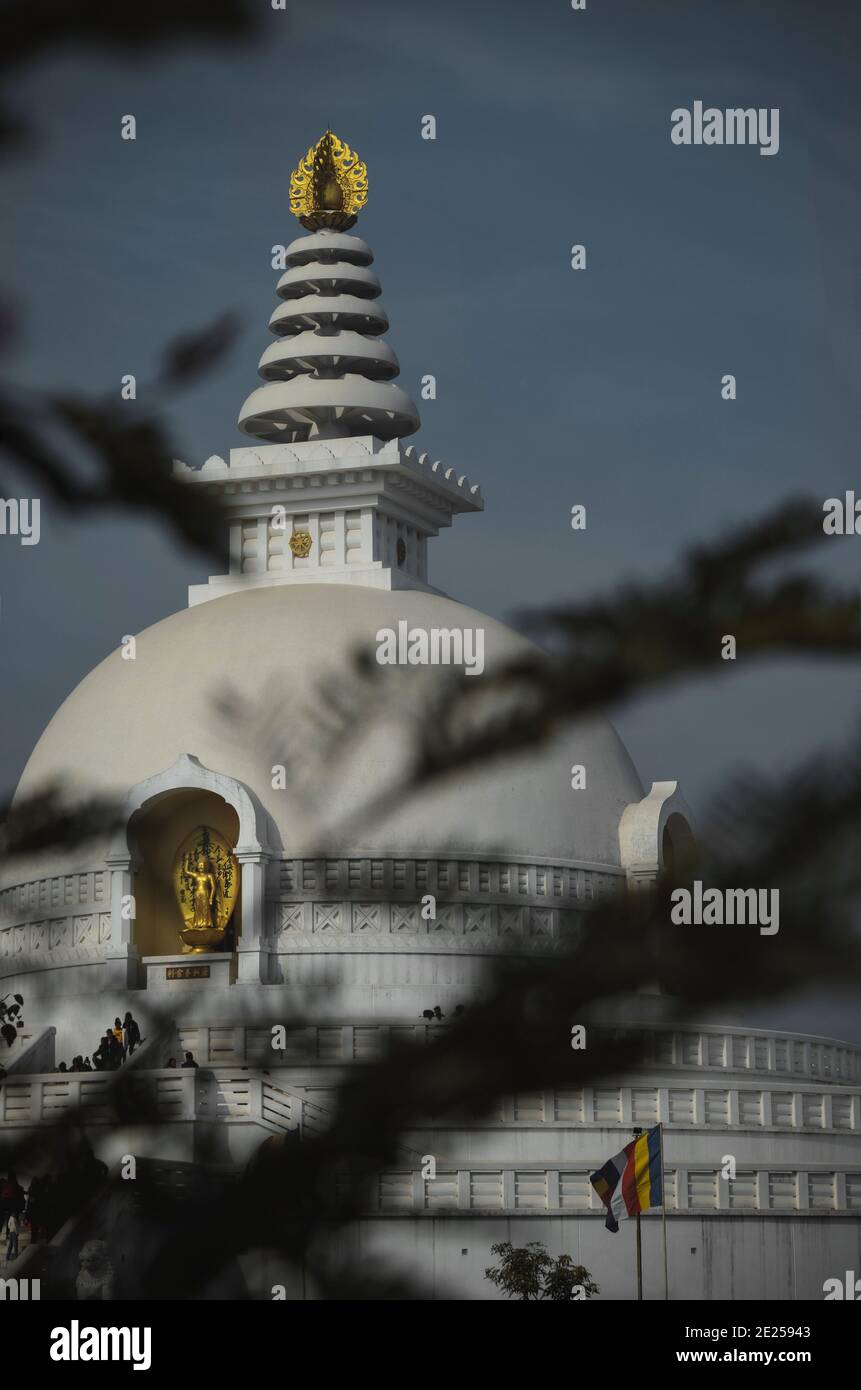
x=633, y=1181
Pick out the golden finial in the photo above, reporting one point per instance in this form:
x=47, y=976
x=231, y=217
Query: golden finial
x=329, y=186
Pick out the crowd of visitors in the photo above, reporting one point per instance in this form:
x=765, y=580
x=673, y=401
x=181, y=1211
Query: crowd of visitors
x=115, y=1047
x=47, y=1203
x=188, y=1064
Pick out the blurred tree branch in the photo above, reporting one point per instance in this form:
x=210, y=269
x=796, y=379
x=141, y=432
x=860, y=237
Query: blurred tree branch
x=48, y=820
x=32, y=29
x=638, y=640
x=131, y=453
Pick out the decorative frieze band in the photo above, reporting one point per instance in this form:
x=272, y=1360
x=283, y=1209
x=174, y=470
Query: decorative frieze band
x=458, y=878
x=373, y=926
x=63, y=939
x=24, y=901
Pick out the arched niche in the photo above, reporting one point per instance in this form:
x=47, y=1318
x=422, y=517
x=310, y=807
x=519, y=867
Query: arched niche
x=156, y=809
x=654, y=832
x=155, y=833
x=677, y=841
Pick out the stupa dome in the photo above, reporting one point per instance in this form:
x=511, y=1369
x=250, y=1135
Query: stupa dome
x=130, y=720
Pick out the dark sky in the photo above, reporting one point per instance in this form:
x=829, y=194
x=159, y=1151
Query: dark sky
x=554, y=387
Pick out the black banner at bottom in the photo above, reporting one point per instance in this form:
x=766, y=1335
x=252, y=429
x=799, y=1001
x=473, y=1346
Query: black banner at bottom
x=226, y=1340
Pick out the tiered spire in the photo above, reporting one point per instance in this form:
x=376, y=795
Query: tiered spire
x=328, y=376
x=331, y=497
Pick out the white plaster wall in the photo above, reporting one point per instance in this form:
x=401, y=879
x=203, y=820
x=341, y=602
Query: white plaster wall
x=742, y=1257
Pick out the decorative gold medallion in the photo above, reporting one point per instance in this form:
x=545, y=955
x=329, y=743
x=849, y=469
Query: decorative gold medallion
x=300, y=543
x=206, y=883
x=329, y=186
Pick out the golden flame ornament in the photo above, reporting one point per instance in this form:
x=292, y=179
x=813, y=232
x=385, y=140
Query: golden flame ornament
x=206, y=883
x=329, y=186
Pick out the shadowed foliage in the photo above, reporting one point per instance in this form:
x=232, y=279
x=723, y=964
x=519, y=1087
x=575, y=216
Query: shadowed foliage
x=599, y=654
x=128, y=453
x=527, y=1272
x=49, y=820
x=31, y=29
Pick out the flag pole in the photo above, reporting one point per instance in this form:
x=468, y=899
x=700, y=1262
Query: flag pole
x=664, y=1216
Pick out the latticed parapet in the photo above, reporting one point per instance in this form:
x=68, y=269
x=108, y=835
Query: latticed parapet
x=328, y=376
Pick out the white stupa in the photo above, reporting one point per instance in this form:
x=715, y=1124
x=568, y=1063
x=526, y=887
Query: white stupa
x=329, y=517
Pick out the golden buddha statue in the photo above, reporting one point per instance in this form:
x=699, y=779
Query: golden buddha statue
x=203, y=893
x=206, y=883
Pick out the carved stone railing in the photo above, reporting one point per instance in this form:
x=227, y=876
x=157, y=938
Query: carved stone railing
x=529, y=1189
x=224, y=1096
x=41, y=1099
x=714, y=1052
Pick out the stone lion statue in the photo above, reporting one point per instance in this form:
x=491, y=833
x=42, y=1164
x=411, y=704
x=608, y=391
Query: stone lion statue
x=96, y=1277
